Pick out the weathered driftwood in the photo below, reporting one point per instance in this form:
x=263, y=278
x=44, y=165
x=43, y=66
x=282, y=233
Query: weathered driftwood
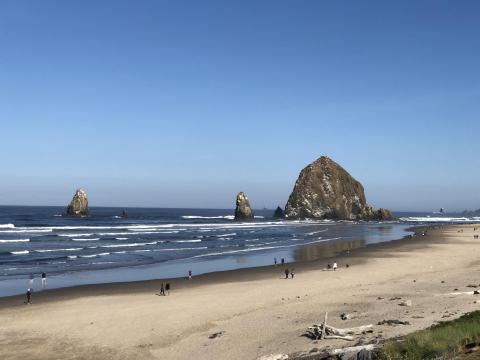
x=323, y=331
x=354, y=349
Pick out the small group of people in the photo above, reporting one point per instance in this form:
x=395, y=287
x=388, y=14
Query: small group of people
x=165, y=289
x=333, y=266
x=31, y=283
x=43, y=277
x=289, y=272
x=282, y=261
x=475, y=236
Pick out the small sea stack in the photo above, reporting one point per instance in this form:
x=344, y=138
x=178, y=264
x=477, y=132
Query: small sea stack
x=243, y=211
x=279, y=214
x=325, y=190
x=124, y=214
x=79, y=204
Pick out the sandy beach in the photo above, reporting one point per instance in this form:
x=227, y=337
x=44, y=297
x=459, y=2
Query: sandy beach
x=255, y=312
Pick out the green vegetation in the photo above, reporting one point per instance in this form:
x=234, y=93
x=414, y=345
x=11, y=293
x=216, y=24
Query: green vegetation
x=443, y=341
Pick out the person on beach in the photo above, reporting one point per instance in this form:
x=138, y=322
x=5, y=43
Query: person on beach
x=44, y=280
x=29, y=297
x=189, y=274
x=335, y=266
x=286, y=273
x=283, y=261
x=275, y=261
x=32, y=278
x=292, y=273
x=167, y=288
x=162, y=290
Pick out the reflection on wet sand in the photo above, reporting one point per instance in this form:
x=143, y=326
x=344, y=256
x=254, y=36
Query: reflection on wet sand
x=320, y=251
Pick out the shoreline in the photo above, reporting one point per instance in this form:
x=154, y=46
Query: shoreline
x=252, y=312
x=236, y=274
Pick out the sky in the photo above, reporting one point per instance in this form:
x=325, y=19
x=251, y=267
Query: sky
x=186, y=103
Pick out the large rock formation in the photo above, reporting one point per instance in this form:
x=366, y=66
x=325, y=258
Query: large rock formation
x=79, y=204
x=279, y=214
x=243, y=211
x=325, y=190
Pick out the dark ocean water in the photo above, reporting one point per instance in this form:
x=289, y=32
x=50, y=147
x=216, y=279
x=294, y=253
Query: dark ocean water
x=152, y=243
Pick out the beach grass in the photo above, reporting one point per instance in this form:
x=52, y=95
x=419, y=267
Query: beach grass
x=446, y=340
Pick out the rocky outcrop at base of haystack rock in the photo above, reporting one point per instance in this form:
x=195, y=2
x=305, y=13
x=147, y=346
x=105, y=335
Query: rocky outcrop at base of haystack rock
x=243, y=211
x=279, y=214
x=325, y=190
x=79, y=204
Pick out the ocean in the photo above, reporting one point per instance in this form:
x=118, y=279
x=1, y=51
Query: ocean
x=167, y=243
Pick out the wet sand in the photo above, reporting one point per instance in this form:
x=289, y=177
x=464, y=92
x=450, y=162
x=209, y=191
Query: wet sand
x=256, y=311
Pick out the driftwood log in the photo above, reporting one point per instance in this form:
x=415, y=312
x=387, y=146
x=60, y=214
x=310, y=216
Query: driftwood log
x=323, y=331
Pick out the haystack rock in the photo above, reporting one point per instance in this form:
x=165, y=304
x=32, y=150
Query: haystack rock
x=243, y=211
x=325, y=190
x=79, y=204
x=279, y=214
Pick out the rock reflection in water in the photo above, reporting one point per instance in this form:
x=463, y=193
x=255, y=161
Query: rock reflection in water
x=320, y=251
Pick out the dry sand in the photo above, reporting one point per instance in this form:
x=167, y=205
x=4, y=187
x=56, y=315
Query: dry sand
x=257, y=311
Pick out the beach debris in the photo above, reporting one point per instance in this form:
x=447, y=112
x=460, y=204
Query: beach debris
x=472, y=286
x=360, y=351
x=476, y=292
x=406, y=303
x=344, y=316
x=216, y=335
x=380, y=298
x=324, y=331
x=395, y=298
x=274, y=357
x=393, y=322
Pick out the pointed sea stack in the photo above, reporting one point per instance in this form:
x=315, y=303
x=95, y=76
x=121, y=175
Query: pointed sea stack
x=79, y=204
x=279, y=214
x=325, y=190
x=243, y=211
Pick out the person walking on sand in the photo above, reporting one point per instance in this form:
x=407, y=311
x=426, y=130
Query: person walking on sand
x=167, y=288
x=29, y=297
x=275, y=261
x=335, y=266
x=44, y=280
x=292, y=273
x=189, y=274
x=162, y=290
x=286, y=273
x=283, y=261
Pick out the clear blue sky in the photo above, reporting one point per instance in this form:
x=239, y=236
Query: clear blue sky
x=185, y=103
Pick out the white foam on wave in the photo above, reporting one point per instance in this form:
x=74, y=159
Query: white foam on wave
x=14, y=240
x=426, y=219
x=95, y=239
x=121, y=238
x=22, y=252
x=225, y=235
x=7, y=226
x=316, y=232
x=261, y=248
x=182, y=249
x=74, y=235
x=230, y=217
x=27, y=230
x=187, y=241
x=56, y=250
x=129, y=245
x=94, y=255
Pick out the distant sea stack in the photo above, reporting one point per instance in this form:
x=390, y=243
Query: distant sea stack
x=325, y=190
x=243, y=211
x=79, y=204
x=279, y=214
